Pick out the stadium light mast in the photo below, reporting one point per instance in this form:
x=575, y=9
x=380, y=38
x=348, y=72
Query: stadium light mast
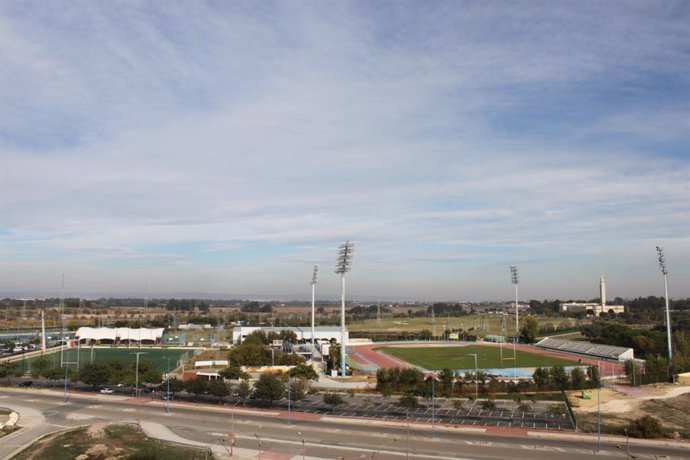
x=344, y=264
x=314, y=279
x=514, y=280
x=664, y=270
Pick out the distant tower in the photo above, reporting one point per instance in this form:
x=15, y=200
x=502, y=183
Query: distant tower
x=602, y=292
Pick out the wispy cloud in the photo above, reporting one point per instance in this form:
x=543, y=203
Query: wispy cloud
x=225, y=148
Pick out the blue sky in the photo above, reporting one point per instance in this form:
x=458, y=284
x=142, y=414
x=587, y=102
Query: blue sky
x=226, y=147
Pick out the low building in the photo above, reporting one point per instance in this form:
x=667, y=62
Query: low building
x=321, y=333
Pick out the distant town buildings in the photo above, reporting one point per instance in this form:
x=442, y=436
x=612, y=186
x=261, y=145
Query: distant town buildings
x=595, y=309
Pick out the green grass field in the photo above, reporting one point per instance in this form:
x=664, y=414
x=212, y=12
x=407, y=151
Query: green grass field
x=480, y=325
x=437, y=358
x=159, y=357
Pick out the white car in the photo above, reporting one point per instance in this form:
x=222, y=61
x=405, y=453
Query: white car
x=106, y=391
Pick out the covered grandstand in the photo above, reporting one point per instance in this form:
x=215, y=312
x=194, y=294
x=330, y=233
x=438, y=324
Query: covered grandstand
x=587, y=349
x=125, y=335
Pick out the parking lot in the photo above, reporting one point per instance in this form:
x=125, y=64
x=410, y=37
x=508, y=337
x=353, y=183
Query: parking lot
x=462, y=412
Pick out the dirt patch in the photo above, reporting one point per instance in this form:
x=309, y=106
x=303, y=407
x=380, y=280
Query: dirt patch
x=113, y=442
x=668, y=403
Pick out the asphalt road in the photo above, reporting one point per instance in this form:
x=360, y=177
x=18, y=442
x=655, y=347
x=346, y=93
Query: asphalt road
x=324, y=436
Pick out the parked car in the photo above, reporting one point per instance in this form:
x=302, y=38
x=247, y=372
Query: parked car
x=106, y=391
x=27, y=383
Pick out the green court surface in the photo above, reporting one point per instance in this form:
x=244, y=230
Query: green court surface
x=158, y=356
x=460, y=357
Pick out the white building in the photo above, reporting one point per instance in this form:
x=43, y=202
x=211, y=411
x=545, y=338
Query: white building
x=596, y=308
x=321, y=333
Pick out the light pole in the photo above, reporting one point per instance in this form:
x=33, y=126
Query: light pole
x=514, y=280
x=136, y=373
x=433, y=407
x=664, y=270
x=599, y=416
x=476, y=388
x=167, y=392
x=288, y=385
x=314, y=279
x=344, y=264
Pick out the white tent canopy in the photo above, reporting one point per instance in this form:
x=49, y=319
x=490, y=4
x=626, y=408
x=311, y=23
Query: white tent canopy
x=121, y=334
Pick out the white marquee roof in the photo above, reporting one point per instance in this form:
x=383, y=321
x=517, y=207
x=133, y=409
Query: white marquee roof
x=120, y=333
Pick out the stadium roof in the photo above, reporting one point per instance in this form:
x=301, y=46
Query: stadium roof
x=585, y=348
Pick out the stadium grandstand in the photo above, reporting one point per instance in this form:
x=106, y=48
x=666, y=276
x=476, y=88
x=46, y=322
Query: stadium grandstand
x=587, y=349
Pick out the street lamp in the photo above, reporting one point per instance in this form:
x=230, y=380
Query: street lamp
x=664, y=270
x=136, y=388
x=476, y=388
x=167, y=391
x=344, y=264
x=514, y=280
x=314, y=279
x=432, y=376
x=136, y=372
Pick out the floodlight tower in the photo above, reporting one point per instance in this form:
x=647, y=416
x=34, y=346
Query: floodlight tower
x=514, y=280
x=314, y=279
x=664, y=270
x=344, y=264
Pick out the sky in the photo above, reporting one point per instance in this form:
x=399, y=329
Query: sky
x=223, y=148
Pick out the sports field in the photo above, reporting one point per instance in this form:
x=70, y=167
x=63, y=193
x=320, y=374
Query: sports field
x=158, y=356
x=459, y=357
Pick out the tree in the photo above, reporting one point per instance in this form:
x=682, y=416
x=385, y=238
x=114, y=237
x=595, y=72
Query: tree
x=94, y=374
x=542, y=377
x=297, y=390
x=593, y=375
x=304, y=371
x=559, y=377
x=250, y=353
x=233, y=372
x=196, y=386
x=243, y=391
x=54, y=374
x=446, y=378
x=577, y=379
x=409, y=400
x=425, y=334
x=333, y=399
x=218, y=388
x=174, y=385
x=529, y=329
x=39, y=366
x=269, y=388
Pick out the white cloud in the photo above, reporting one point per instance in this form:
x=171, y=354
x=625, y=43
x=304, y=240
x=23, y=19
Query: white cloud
x=181, y=144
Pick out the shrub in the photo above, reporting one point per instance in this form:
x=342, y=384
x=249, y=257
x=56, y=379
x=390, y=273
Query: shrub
x=645, y=427
x=524, y=407
x=488, y=404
